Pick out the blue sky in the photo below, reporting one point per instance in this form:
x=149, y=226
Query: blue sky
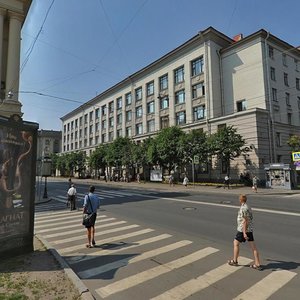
x=73, y=50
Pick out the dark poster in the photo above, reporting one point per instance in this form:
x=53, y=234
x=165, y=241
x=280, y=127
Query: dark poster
x=17, y=177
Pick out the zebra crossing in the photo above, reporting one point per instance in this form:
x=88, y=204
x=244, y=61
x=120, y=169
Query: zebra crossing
x=131, y=260
x=59, y=202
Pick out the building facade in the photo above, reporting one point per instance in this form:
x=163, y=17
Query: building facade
x=48, y=142
x=12, y=17
x=206, y=83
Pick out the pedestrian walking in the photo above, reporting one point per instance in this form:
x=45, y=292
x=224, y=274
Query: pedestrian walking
x=138, y=177
x=226, y=181
x=171, y=180
x=70, y=182
x=244, y=233
x=254, y=183
x=185, y=181
x=90, y=205
x=72, y=197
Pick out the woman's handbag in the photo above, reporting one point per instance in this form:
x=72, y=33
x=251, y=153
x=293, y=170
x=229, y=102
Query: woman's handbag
x=89, y=219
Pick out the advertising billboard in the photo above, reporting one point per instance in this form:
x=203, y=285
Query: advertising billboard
x=18, y=142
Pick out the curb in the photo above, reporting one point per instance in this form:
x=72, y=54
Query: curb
x=85, y=294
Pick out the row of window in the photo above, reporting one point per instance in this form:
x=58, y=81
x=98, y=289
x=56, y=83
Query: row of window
x=284, y=56
x=199, y=113
x=197, y=67
x=287, y=97
x=285, y=78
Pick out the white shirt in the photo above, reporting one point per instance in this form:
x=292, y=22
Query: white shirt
x=72, y=191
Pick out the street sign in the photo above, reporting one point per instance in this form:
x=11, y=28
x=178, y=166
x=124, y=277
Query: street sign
x=196, y=159
x=296, y=156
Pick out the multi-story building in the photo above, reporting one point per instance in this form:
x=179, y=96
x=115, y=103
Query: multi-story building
x=208, y=82
x=12, y=17
x=48, y=142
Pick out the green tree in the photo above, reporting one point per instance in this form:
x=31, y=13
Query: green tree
x=194, y=143
x=167, y=147
x=294, y=142
x=97, y=159
x=226, y=144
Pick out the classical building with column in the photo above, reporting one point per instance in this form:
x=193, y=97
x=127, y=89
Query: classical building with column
x=210, y=81
x=12, y=17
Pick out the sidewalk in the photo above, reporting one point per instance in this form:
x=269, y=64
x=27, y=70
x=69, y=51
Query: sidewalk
x=191, y=188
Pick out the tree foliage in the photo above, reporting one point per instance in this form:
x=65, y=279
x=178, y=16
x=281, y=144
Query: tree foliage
x=294, y=142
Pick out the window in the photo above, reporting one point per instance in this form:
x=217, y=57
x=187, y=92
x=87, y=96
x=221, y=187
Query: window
x=180, y=118
x=119, y=132
x=299, y=103
x=272, y=73
x=278, y=139
x=197, y=66
x=198, y=90
x=119, y=103
x=150, y=88
x=111, y=122
x=289, y=117
x=163, y=82
x=91, y=141
x=91, y=129
x=164, y=122
x=285, y=79
x=138, y=94
x=128, y=116
x=91, y=116
x=150, y=107
x=97, y=127
x=76, y=123
x=103, y=110
x=298, y=84
x=164, y=102
x=103, y=137
x=128, y=99
x=72, y=125
x=80, y=133
x=241, y=105
x=138, y=128
x=287, y=99
x=110, y=136
x=96, y=140
x=85, y=119
x=111, y=107
x=271, y=52
x=65, y=128
x=119, y=119
x=139, y=112
x=97, y=113
x=151, y=125
x=80, y=121
x=284, y=59
x=274, y=94
x=199, y=112
x=179, y=75
x=85, y=131
x=128, y=131
x=180, y=97
x=103, y=124
x=296, y=65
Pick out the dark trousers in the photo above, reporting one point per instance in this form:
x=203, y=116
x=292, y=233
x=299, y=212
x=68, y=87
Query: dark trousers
x=71, y=200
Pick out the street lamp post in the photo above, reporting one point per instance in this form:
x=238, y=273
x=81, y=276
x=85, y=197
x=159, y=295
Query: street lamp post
x=45, y=189
x=46, y=171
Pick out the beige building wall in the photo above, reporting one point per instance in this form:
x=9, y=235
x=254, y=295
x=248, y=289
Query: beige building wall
x=237, y=90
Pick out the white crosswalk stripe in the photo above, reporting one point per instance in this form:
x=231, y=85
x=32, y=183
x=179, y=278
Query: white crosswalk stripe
x=124, y=262
x=267, y=286
x=67, y=235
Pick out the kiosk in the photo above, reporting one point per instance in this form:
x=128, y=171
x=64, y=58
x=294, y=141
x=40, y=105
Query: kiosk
x=278, y=175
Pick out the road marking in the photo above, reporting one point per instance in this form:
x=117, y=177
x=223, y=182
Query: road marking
x=234, y=206
x=201, y=282
x=118, y=238
x=141, y=277
x=78, y=257
x=75, y=221
x=267, y=286
x=126, y=261
x=80, y=230
x=75, y=238
x=54, y=214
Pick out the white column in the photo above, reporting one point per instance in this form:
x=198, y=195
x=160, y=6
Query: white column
x=13, y=57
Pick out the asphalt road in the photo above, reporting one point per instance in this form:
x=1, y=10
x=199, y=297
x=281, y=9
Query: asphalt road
x=190, y=221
